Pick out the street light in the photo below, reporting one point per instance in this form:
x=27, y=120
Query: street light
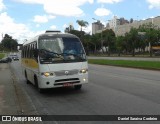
x=101, y=34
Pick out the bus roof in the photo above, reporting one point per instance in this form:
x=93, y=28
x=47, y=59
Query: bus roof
x=50, y=34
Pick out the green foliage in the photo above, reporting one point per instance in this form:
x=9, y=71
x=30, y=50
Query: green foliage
x=82, y=23
x=128, y=63
x=8, y=43
x=108, y=37
x=120, y=44
x=138, y=38
x=135, y=39
x=1, y=55
x=77, y=33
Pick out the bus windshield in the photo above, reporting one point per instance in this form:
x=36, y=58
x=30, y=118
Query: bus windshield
x=59, y=50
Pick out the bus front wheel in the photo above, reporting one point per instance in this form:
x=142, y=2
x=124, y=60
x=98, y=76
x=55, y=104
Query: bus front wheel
x=36, y=84
x=78, y=87
x=27, y=81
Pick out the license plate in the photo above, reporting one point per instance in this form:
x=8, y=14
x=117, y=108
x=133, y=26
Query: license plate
x=67, y=84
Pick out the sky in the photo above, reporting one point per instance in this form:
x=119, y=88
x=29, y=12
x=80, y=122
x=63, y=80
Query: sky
x=23, y=19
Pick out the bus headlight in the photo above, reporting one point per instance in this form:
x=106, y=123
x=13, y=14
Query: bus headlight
x=47, y=74
x=83, y=71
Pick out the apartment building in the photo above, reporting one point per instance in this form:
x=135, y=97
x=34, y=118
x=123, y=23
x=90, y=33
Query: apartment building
x=122, y=26
x=97, y=27
x=120, y=30
x=114, y=23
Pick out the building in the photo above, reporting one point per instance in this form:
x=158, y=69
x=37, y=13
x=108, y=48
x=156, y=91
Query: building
x=97, y=27
x=120, y=30
x=68, y=29
x=123, y=21
x=114, y=23
x=122, y=26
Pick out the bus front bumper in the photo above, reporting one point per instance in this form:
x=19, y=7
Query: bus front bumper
x=62, y=81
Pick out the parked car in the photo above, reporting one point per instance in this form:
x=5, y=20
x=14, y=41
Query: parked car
x=5, y=60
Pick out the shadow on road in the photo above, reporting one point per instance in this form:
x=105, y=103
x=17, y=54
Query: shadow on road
x=62, y=91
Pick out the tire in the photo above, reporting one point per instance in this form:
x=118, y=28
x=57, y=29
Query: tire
x=40, y=90
x=78, y=87
x=27, y=81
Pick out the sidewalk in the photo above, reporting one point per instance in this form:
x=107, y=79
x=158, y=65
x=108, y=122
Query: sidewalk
x=13, y=99
x=8, y=99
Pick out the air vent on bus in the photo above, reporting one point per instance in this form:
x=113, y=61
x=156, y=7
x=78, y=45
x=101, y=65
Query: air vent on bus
x=52, y=31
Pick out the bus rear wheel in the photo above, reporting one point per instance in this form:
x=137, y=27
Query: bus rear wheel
x=78, y=87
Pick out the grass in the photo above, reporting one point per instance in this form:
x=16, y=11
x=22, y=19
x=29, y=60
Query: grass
x=155, y=65
x=2, y=55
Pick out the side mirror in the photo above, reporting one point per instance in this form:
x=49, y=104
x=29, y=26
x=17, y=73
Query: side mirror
x=35, y=53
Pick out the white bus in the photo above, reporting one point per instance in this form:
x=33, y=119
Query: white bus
x=54, y=59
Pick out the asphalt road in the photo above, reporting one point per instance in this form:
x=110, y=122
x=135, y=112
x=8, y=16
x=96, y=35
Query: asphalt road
x=110, y=91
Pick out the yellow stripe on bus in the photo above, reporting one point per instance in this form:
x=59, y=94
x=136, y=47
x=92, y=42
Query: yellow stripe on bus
x=31, y=63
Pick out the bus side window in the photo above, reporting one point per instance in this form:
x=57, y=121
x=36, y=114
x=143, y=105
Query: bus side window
x=35, y=51
x=31, y=52
x=27, y=52
x=28, y=56
x=24, y=52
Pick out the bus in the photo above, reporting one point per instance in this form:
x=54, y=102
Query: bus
x=54, y=59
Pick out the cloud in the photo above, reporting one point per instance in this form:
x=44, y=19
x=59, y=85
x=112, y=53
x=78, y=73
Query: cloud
x=102, y=12
x=63, y=10
x=37, y=25
x=65, y=26
x=109, y=1
x=61, y=7
x=65, y=7
x=40, y=19
x=7, y=25
x=31, y=1
x=154, y=4
x=2, y=6
x=18, y=31
x=53, y=27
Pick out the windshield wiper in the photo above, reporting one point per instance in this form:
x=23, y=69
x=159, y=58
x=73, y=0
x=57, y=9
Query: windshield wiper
x=50, y=54
x=49, y=51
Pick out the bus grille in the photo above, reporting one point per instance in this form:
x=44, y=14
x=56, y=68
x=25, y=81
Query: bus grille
x=70, y=80
x=66, y=72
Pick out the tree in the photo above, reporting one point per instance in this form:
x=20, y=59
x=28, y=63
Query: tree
x=120, y=44
x=82, y=23
x=127, y=45
x=9, y=43
x=95, y=41
x=131, y=20
x=133, y=40
x=151, y=34
x=108, y=37
x=68, y=29
x=77, y=33
x=1, y=46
